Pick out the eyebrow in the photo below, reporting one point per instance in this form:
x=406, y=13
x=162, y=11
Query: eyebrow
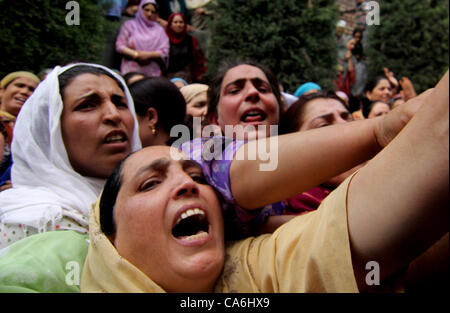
x=328, y=116
x=189, y=163
x=161, y=165
x=241, y=81
x=157, y=165
x=92, y=95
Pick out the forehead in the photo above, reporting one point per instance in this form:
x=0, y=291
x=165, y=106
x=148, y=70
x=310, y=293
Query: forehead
x=379, y=105
x=243, y=71
x=146, y=156
x=177, y=18
x=322, y=106
x=148, y=6
x=88, y=81
x=383, y=83
x=24, y=80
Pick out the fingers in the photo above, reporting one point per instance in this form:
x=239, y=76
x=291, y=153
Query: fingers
x=392, y=123
x=410, y=107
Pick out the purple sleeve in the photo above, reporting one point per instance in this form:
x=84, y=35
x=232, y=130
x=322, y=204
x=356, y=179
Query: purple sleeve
x=123, y=37
x=214, y=156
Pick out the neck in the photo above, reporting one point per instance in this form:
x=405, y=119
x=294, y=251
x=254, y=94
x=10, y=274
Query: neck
x=161, y=138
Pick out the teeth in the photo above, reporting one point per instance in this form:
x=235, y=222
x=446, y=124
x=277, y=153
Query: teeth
x=256, y=112
x=115, y=138
x=199, y=235
x=190, y=212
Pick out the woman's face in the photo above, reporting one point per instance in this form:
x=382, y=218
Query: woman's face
x=197, y=106
x=247, y=100
x=169, y=221
x=177, y=24
x=379, y=108
x=149, y=11
x=322, y=112
x=96, y=125
x=382, y=92
x=16, y=93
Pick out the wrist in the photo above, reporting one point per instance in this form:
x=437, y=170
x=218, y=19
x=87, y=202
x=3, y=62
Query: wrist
x=135, y=54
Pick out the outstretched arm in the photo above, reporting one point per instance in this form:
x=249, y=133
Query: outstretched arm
x=306, y=159
x=398, y=203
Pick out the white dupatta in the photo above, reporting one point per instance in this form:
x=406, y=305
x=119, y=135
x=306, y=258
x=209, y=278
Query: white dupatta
x=45, y=186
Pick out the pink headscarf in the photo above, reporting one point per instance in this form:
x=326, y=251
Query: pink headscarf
x=148, y=35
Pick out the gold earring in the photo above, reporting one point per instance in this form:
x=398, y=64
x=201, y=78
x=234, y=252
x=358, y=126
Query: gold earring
x=153, y=130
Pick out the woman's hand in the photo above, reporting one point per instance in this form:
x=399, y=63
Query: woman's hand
x=393, y=122
x=6, y=185
x=144, y=57
x=390, y=76
x=408, y=88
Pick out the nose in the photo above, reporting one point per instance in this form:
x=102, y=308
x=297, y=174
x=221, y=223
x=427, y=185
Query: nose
x=111, y=113
x=252, y=94
x=186, y=188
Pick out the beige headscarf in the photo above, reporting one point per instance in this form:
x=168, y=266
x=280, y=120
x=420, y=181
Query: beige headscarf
x=11, y=76
x=105, y=270
x=191, y=91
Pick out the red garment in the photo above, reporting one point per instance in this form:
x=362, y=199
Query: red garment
x=344, y=82
x=176, y=37
x=180, y=56
x=199, y=67
x=307, y=201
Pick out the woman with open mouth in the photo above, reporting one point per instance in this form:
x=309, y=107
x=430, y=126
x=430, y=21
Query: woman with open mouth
x=71, y=133
x=16, y=87
x=157, y=226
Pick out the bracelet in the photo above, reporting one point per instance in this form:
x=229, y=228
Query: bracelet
x=136, y=54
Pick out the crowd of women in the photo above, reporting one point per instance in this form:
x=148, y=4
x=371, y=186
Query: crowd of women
x=93, y=155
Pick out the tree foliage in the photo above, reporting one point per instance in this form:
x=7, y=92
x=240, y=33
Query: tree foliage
x=293, y=38
x=35, y=34
x=411, y=40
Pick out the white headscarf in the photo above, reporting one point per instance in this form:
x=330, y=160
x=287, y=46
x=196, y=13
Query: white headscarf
x=46, y=187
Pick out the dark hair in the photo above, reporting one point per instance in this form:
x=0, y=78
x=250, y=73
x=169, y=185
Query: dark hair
x=290, y=120
x=109, y=197
x=159, y=93
x=358, y=30
x=130, y=75
x=368, y=106
x=358, y=49
x=69, y=75
x=154, y=4
x=216, y=82
x=373, y=82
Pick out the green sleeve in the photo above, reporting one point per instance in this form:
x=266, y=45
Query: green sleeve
x=50, y=262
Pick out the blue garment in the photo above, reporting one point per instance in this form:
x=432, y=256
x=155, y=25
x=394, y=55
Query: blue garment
x=117, y=7
x=5, y=174
x=305, y=88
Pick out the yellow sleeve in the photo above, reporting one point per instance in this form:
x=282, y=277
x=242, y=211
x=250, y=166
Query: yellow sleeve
x=310, y=253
